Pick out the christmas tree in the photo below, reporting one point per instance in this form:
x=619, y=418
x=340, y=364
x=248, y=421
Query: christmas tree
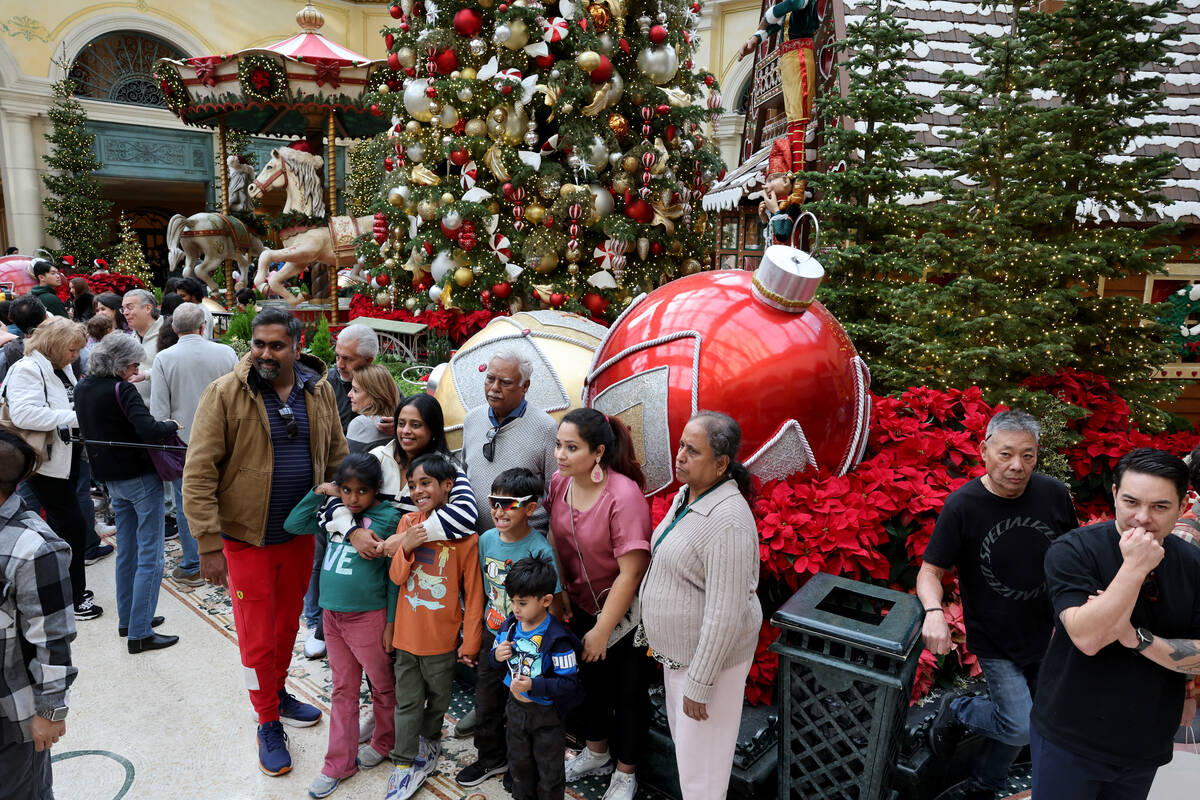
x=542, y=155
x=129, y=257
x=869, y=225
x=1043, y=166
x=77, y=213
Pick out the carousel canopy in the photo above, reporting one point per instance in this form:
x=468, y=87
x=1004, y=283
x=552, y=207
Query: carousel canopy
x=286, y=89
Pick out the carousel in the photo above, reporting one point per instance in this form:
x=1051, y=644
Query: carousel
x=305, y=88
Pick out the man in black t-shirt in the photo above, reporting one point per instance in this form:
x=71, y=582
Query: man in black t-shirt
x=1126, y=597
x=995, y=531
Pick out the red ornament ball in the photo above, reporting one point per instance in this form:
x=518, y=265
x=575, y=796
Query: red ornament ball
x=709, y=80
x=594, y=303
x=388, y=163
x=467, y=22
x=446, y=62
x=546, y=61
x=382, y=280
x=393, y=62
x=656, y=248
x=557, y=299
x=658, y=34
x=460, y=156
x=485, y=297
x=431, y=91
x=502, y=290
x=603, y=72
x=395, y=11
x=639, y=211
x=375, y=109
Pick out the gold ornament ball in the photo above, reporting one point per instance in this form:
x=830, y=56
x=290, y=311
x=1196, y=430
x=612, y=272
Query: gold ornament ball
x=573, y=269
x=619, y=184
x=435, y=108
x=427, y=209
x=383, y=88
x=412, y=127
x=547, y=263
x=676, y=247
x=485, y=3
x=407, y=56
x=630, y=164
x=600, y=16
x=396, y=197
x=572, y=254
x=476, y=127
x=411, y=304
x=588, y=60
x=447, y=198
x=494, y=207
x=617, y=123
x=690, y=266
x=463, y=276
x=535, y=213
x=468, y=73
x=382, y=299
x=389, y=264
x=566, y=191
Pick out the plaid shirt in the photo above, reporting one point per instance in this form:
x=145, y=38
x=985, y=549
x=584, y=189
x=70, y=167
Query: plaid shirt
x=37, y=620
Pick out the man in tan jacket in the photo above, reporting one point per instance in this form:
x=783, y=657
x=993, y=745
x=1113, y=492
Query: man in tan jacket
x=269, y=431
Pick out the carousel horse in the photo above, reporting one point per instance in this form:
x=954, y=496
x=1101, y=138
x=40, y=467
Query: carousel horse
x=329, y=244
x=241, y=175
x=207, y=241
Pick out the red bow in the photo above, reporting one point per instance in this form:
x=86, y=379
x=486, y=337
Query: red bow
x=328, y=71
x=205, y=65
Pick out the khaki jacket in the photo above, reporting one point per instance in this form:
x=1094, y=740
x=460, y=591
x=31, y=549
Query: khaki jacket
x=227, y=475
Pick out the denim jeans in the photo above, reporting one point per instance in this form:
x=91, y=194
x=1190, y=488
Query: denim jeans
x=1002, y=719
x=312, y=598
x=138, y=508
x=190, y=560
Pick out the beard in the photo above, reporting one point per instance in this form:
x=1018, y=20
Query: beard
x=267, y=369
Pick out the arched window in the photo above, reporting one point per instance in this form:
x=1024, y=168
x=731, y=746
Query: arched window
x=117, y=67
x=743, y=97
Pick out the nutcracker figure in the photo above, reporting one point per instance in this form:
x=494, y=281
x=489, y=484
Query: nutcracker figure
x=777, y=211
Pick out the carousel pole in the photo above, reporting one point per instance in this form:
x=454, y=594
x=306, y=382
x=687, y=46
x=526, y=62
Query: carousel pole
x=331, y=162
x=229, y=290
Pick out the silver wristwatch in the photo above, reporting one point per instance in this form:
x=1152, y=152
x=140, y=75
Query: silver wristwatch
x=53, y=714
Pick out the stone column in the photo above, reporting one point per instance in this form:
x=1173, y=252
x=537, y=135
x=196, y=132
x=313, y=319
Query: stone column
x=22, y=181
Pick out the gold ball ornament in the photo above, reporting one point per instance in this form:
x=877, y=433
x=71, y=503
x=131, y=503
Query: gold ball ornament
x=447, y=198
x=427, y=209
x=463, y=276
x=631, y=164
x=383, y=88
x=435, y=108
x=547, y=263
x=468, y=73
x=397, y=196
x=494, y=207
x=676, y=247
x=601, y=18
x=486, y=3
x=535, y=213
x=411, y=304
x=619, y=184
x=618, y=124
x=567, y=190
x=382, y=299
x=690, y=266
x=476, y=127
x=412, y=127
x=588, y=60
x=407, y=56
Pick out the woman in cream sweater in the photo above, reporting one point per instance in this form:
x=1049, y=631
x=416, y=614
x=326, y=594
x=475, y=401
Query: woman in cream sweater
x=700, y=613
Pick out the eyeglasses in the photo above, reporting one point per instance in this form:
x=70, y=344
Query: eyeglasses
x=489, y=444
x=502, y=503
x=289, y=422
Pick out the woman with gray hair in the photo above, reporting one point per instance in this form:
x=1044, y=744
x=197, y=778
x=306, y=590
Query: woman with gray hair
x=111, y=410
x=700, y=612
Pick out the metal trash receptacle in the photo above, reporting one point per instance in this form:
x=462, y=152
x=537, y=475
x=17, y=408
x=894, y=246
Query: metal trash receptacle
x=848, y=656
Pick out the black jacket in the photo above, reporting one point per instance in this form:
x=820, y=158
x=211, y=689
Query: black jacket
x=564, y=691
x=103, y=418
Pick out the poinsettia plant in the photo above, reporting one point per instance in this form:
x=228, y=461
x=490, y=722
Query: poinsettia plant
x=101, y=282
x=457, y=325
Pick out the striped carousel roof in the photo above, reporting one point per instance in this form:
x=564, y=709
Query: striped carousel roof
x=312, y=45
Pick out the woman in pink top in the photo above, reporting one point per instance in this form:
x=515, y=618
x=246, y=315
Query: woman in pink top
x=600, y=529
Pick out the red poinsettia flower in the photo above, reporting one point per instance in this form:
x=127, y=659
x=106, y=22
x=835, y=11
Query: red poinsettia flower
x=260, y=79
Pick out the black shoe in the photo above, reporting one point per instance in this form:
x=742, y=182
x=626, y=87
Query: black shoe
x=507, y=782
x=154, y=623
x=154, y=641
x=170, y=528
x=477, y=773
x=86, y=609
x=946, y=730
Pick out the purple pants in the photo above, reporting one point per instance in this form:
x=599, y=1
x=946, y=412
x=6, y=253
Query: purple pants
x=354, y=642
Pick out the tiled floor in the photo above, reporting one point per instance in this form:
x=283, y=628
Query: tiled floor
x=177, y=723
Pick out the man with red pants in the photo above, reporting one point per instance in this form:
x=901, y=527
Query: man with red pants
x=269, y=428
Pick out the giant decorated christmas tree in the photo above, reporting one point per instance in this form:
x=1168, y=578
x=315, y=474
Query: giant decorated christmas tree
x=541, y=155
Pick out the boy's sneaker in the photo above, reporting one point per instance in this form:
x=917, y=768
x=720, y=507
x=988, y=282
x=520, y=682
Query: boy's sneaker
x=273, y=756
x=369, y=757
x=99, y=554
x=477, y=773
x=623, y=786
x=465, y=727
x=170, y=528
x=87, y=609
x=428, y=754
x=295, y=713
x=404, y=782
x=586, y=763
x=366, y=726
x=314, y=645
x=103, y=530
x=323, y=785
x=185, y=578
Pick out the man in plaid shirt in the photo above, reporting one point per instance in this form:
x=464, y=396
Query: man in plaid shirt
x=36, y=628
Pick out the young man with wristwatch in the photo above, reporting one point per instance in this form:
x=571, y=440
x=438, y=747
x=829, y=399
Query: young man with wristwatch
x=1126, y=596
x=35, y=649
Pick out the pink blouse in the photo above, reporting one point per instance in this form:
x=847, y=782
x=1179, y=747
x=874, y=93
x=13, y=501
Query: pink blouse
x=617, y=524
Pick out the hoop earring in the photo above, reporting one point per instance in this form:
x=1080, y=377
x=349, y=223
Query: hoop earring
x=597, y=473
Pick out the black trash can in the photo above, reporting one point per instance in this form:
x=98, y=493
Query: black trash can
x=848, y=656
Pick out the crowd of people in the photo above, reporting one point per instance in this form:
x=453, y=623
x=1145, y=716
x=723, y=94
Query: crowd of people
x=317, y=493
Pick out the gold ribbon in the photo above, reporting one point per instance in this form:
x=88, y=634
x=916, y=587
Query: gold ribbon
x=778, y=298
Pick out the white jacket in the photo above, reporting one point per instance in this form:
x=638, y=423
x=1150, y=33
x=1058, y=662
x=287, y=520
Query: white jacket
x=29, y=384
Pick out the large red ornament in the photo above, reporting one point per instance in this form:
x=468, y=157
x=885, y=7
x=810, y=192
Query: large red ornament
x=546, y=61
x=467, y=22
x=382, y=279
x=791, y=378
x=603, y=72
x=594, y=303
x=658, y=34
x=639, y=211
x=446, y=62
x=395, y=11
x=502, y=290
x=393, y=62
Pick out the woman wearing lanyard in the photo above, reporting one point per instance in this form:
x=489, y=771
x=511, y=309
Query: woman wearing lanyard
x=700, y=613
x=600, y=530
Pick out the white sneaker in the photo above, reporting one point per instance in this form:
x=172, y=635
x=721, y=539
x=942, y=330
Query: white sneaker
x=366, y=726
x=428, y=754
x=103, y=530
x=586, y=763
x=369, y=757
x=404, y=782
x=622, y=786
x=314, y=647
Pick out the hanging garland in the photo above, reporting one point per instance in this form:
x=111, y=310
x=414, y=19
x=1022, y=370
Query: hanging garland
x=173, y=89
x=262, y=78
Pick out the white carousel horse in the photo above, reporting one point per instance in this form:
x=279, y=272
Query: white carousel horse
x=301, y=177
x=211, y=240
x=305, y=246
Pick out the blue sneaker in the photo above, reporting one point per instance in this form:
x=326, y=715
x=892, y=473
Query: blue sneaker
x=404, y=782
x=273, y=756
x=295, y=713
x=428, y=754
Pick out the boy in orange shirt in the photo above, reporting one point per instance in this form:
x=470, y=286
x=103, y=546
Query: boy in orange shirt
x=432, y=577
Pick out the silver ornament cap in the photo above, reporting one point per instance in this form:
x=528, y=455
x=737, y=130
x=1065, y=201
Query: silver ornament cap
x=787, y=279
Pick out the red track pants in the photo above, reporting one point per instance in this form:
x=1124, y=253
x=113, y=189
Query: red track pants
x=267, y=586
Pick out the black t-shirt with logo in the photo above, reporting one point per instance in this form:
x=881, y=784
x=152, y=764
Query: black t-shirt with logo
x=998, y=544
x=1117, y=707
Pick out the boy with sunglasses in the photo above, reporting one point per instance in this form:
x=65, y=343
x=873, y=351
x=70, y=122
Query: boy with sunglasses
x=513, y=499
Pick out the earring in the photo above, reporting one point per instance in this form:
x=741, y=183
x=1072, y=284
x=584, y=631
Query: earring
x=597, y=473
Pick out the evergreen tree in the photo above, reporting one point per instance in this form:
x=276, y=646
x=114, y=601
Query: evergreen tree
x=869, y=225
x=77, y=215
x=129, y=257
x=1040, y=171
x=547, y=153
